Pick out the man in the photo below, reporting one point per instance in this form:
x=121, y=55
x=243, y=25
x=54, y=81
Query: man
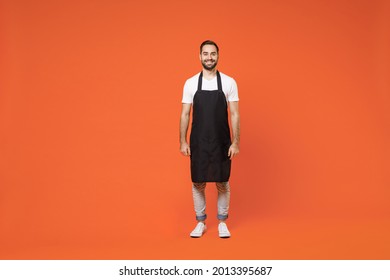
x=211, y=150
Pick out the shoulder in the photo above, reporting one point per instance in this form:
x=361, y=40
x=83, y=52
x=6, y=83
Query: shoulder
x=190, y=86
x=230, y=87
x=192, y=80
x=227, y=79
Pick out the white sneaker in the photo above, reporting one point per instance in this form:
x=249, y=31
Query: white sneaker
x=199, y=230
x=223, y=230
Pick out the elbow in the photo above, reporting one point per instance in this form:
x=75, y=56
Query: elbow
x=235, y=115
x=185, y=116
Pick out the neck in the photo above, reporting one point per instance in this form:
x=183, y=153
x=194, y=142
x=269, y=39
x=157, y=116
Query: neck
x=209, y=74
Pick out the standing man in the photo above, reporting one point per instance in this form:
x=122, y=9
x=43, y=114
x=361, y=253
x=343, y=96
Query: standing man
x=211, y=150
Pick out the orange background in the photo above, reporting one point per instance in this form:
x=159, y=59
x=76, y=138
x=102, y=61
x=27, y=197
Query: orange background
x=90, y=98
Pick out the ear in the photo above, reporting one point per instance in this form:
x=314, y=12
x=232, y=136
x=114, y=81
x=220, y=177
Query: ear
x=200, y=57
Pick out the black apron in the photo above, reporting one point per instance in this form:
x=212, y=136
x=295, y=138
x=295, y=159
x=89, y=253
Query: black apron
x=210, y=135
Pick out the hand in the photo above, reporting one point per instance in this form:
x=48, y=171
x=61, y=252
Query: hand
x=233, y=150
x=185, y=149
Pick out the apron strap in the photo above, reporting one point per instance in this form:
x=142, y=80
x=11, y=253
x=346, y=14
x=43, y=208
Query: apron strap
x=219, y=81
x=200, y=81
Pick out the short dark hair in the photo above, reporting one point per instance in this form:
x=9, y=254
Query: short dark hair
x=208, y=42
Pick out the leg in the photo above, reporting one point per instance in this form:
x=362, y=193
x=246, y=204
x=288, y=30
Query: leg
x=223, y=200
x=198, y=194
x=223, y=208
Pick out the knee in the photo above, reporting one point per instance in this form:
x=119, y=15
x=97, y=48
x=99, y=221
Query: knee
x=223, y=186
x=199, y=186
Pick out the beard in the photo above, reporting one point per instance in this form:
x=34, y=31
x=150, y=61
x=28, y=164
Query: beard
x=209, y=66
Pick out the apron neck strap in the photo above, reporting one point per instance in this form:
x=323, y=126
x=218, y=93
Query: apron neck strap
x=218, y=81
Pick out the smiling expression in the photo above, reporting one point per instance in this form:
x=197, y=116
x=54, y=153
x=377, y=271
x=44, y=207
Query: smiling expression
x=209, y=57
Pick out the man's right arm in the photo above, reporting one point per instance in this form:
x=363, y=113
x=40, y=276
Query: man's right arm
x=184, y=121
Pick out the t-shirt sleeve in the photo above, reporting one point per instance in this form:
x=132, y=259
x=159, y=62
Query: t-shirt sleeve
x=187, y=94
x=233, y=92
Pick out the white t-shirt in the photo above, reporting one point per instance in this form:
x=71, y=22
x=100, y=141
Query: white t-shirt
x=229, y=87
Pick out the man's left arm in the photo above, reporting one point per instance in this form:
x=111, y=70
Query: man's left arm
x=235, y=120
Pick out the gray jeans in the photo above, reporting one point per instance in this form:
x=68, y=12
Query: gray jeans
x=198, y=194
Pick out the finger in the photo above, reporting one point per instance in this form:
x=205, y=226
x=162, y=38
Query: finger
x=230, y=154
x=188, y=151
